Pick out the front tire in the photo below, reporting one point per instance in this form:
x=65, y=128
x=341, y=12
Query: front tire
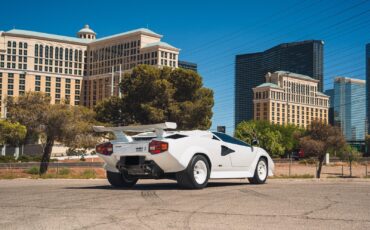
x=196, y=175
x=120, y=180
x=261, y=172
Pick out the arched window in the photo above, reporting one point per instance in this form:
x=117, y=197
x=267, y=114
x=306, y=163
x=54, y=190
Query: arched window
x=60, y=53
x=51, y=51
x=46, y=51
x=41, y=50
x=36, y=50
x=56, y=52
x=66, y=54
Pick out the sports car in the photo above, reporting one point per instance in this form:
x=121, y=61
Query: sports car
x=191, y=157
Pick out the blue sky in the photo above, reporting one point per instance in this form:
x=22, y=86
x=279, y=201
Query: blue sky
x=211, y=33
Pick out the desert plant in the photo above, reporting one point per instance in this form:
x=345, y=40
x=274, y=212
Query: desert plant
x=88, y=174
x=64, y=171
x=33, y=170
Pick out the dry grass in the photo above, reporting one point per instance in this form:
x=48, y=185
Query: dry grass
x=295, y=176
x=63, y=173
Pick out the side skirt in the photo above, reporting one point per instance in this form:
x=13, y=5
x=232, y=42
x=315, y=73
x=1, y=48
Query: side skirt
x=231, y=174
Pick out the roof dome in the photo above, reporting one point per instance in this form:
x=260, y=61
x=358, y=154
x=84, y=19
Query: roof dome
x=86, y=29
x=86, y=33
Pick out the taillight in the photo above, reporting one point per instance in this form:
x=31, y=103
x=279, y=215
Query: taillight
x=156, y=147
x=105, y=148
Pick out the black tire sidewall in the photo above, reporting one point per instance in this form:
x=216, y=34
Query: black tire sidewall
x=127, y=179
x=120, y=180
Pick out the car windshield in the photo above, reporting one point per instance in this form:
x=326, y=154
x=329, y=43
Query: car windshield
x=226, y=138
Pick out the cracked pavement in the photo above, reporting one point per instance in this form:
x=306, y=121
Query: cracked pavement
x=224, y=204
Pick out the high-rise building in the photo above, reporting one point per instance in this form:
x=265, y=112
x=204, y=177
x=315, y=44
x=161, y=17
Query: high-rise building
x=304, y=57
x=188, y=65
x=350, y=107
x=290, y=98
x=367, y=63
x=330, y=93
x=80, y=70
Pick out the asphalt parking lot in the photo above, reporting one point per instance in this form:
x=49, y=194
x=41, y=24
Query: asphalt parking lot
x=92, y=204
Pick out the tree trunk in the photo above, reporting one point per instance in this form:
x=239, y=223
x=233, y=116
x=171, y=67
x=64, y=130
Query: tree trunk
x=46, y=155
x=321, y=161
x=350, y=168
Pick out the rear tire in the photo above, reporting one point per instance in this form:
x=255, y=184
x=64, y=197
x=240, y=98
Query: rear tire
x=196, y=175
x=261, y=172
x=120, y=180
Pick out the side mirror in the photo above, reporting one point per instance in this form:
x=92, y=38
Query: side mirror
x=254, y=142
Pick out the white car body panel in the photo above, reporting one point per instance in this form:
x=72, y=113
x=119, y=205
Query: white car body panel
x=239, y=163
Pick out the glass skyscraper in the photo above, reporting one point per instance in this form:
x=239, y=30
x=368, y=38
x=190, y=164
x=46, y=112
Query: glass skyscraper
x=367, y=63
x=349, y=107
x=305, y=57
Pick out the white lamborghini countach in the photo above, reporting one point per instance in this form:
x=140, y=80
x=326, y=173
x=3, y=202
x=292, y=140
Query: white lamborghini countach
x=190, y=157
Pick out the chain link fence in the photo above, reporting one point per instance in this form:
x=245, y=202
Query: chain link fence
x=283, y=169
x=337, y=169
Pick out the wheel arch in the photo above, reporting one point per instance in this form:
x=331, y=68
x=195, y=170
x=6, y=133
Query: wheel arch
x=207, y=158
x=256, y=160
x=189, y=153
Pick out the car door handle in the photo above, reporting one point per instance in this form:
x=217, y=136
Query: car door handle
x=226, y=150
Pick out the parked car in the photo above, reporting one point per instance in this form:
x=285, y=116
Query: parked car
x=297, y=154
x=190, y=157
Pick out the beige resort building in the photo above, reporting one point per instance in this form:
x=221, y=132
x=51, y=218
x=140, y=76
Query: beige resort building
x=79, y=70
x=290, y=98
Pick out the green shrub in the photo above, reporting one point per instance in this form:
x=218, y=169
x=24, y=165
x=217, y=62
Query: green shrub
x=308, y=161
x=24, y=158
x=74, y=152
x=88, y=173
x=64, y=171
x=29, y=158
x=34, y=170
x=7, y=159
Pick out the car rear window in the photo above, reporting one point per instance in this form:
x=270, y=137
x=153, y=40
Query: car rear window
x=229, y=139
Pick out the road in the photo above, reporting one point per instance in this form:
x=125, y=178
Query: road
x=92, y=204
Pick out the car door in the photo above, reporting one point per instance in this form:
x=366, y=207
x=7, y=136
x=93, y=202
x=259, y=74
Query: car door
x=240, y=153
x=243, y=155
x=221, y=161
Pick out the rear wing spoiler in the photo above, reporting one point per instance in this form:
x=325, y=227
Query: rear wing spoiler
x=119, y=132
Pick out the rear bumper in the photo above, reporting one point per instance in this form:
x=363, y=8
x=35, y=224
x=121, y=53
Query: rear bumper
x=137, y=166
x=165, y=161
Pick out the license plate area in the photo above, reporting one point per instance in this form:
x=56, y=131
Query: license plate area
x=132, y=160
